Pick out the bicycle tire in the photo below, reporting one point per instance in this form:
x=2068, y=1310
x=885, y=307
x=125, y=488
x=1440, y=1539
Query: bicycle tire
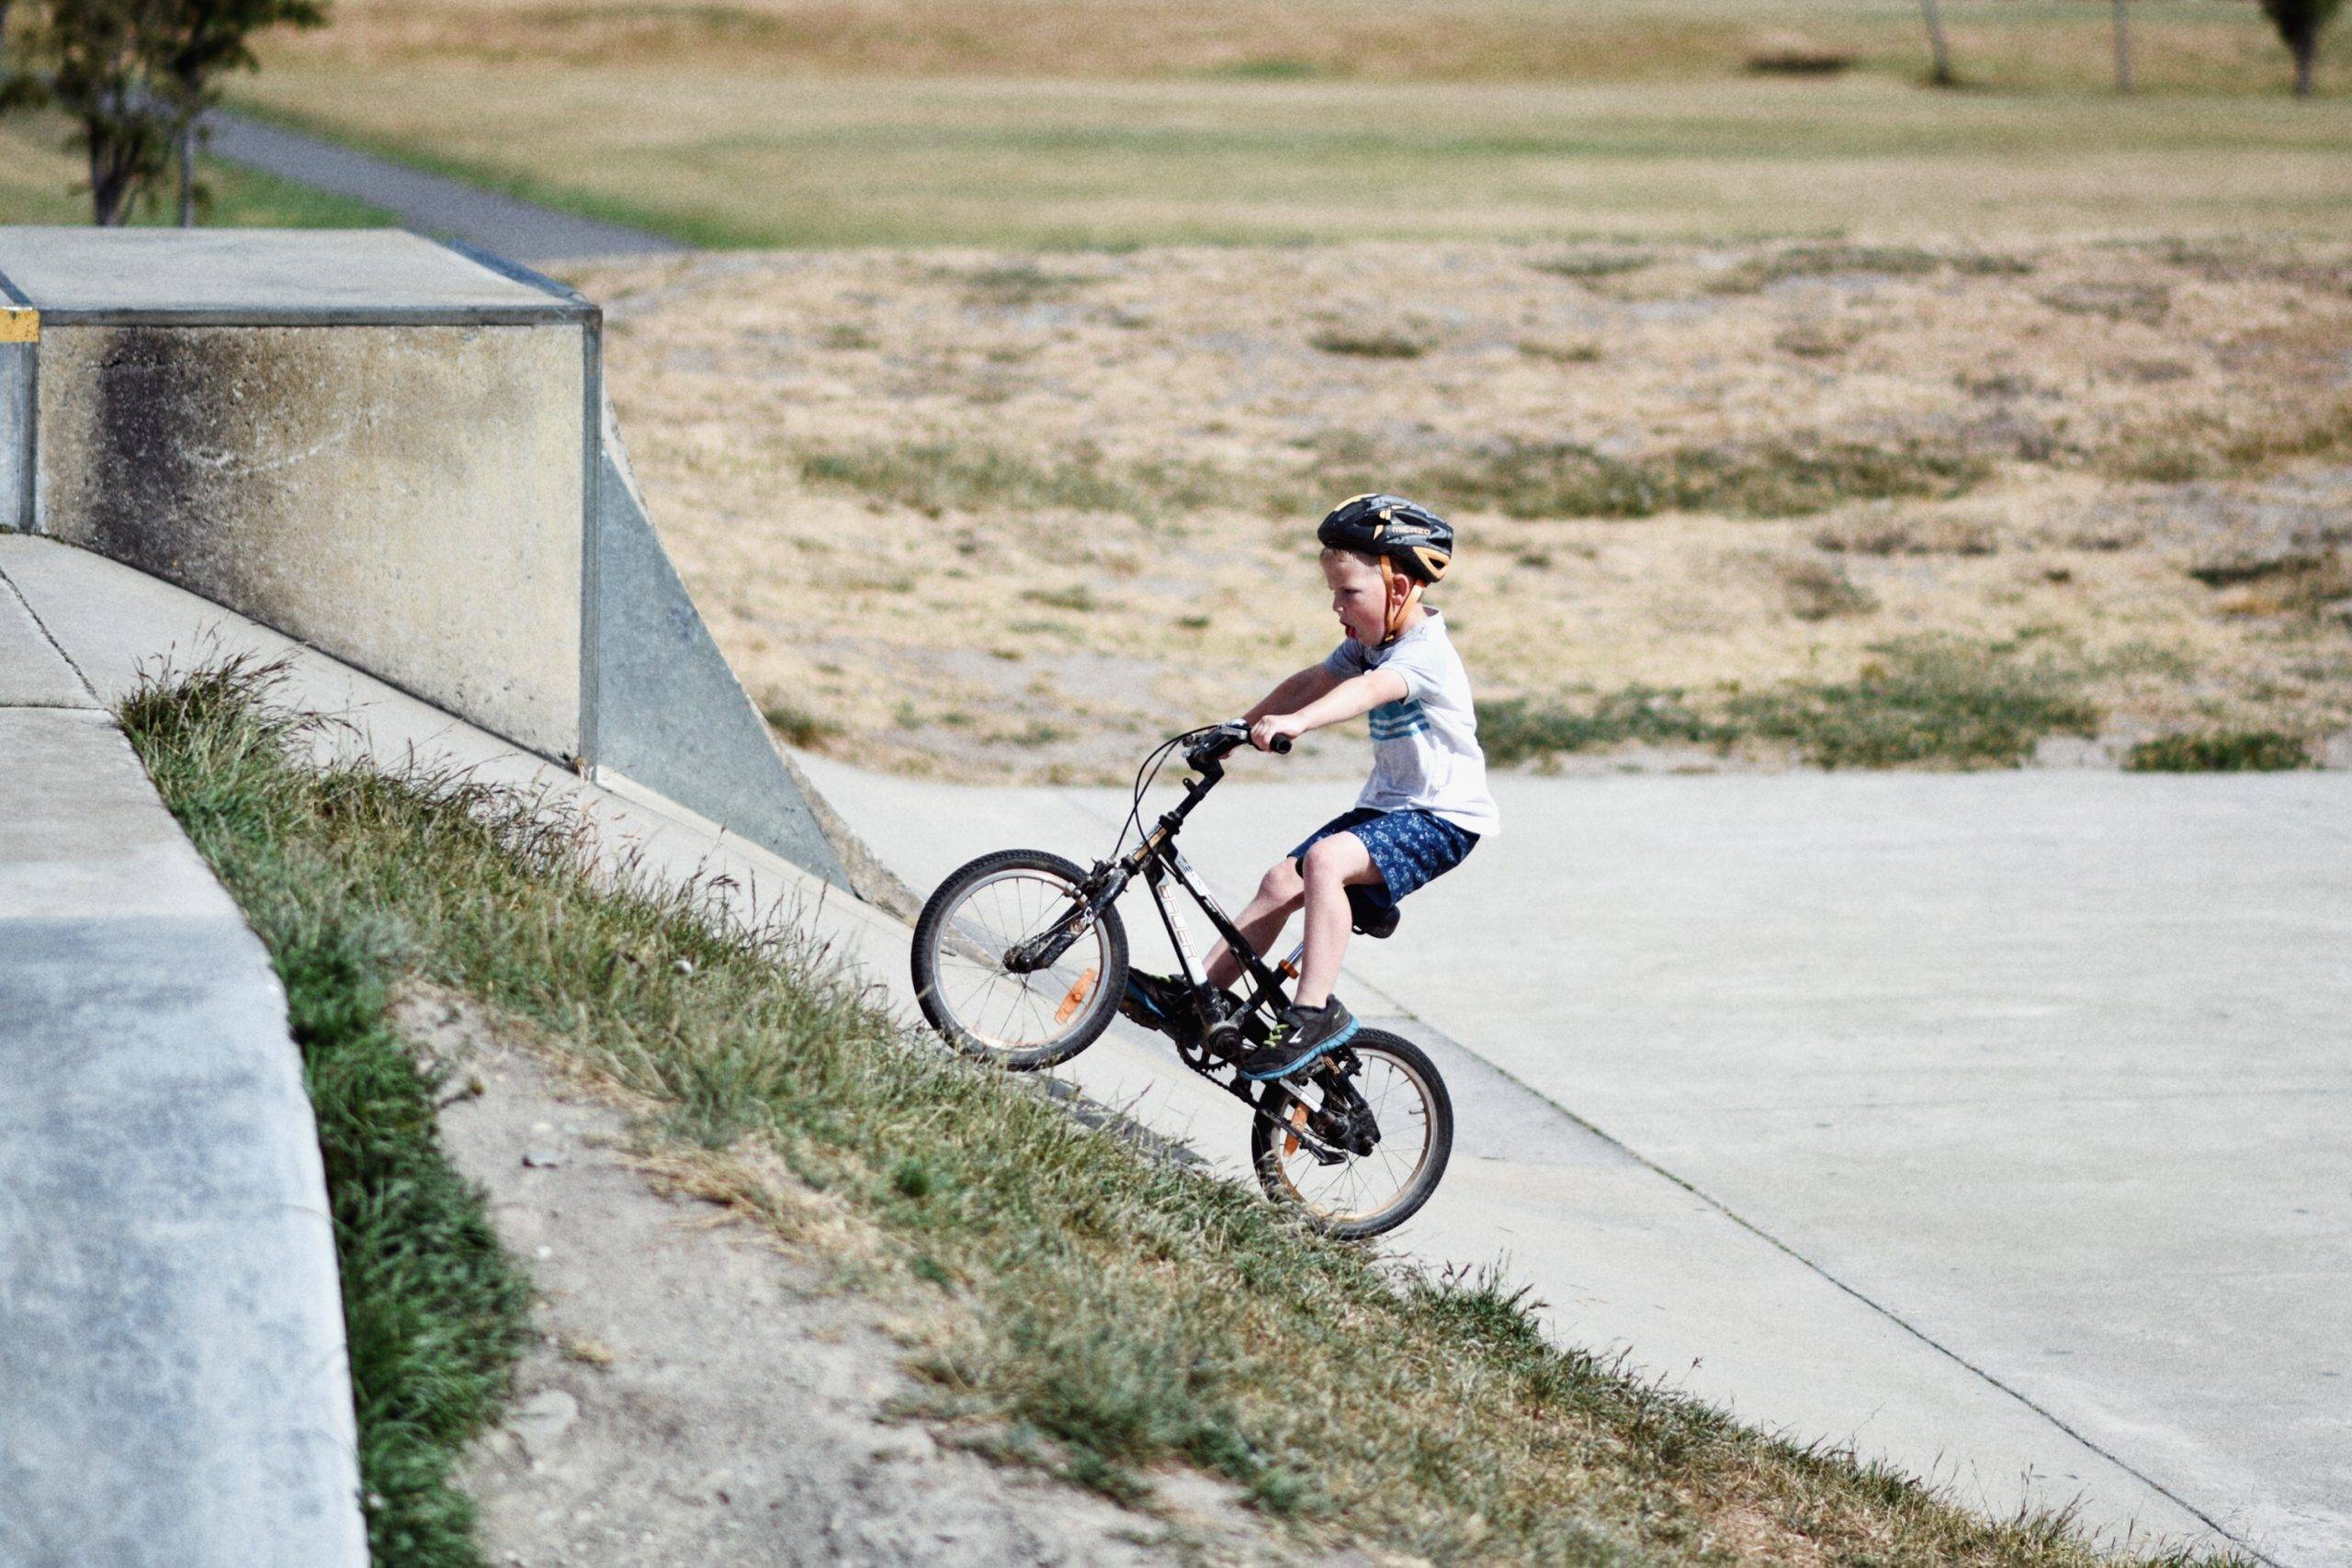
x=1072, y=1034
x=1351, y=1224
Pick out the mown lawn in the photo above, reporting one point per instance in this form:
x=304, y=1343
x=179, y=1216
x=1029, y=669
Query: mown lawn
x=42, y=182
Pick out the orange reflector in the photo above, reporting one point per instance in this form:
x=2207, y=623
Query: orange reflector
x=1290, y=1140
x=1078, y=992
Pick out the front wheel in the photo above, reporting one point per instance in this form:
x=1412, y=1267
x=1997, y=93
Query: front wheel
x=981, y=1000
x=1378, y=1102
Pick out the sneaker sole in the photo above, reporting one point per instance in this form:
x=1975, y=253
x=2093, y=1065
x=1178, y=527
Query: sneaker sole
x=1328, y=1045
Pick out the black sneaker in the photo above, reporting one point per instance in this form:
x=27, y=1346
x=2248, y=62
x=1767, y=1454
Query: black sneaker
x=1164, y=1002
x=1304, y=1034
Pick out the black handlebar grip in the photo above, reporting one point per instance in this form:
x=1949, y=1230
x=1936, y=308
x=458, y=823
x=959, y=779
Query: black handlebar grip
x=1280, y=744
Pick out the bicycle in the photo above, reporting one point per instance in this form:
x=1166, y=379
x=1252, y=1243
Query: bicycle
x=1020, y=959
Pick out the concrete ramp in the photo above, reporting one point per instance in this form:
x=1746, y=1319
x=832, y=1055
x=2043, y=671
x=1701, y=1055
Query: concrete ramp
x=173, y=1384
x=397, y=452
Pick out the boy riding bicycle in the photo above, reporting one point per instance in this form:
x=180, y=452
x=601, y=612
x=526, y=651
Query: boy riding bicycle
x=1424, y=808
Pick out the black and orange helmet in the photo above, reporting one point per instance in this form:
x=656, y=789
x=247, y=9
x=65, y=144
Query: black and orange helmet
x=1415, y=540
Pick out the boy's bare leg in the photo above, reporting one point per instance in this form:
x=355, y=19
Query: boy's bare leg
x=1263, y=923
x=1333, y=865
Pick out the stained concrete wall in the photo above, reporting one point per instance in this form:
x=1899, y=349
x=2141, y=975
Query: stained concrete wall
x=409, y=498
x=400, y=453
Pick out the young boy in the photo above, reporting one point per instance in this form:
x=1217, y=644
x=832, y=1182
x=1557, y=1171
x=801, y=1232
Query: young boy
x=1426, y=804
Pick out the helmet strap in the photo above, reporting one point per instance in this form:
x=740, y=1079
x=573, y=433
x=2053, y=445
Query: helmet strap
x=1398, y=608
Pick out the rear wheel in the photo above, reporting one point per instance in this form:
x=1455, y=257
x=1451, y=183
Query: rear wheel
x=978, y=1000
x=1378, y=1101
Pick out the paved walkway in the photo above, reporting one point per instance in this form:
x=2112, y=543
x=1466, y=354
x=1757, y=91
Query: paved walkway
x=431, y=204
x=1993, y=1124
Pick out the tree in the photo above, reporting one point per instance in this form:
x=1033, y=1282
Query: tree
x=136, y=77
x=95, y=60
x=2300, y=23
x=205, y=40
x=1941, y=72
x=2122, y=47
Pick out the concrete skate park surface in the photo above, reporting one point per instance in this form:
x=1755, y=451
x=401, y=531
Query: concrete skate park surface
x=1991, y=1124
x=173, y=1384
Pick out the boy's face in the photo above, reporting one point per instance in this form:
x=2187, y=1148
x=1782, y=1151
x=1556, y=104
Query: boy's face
x=1358, y=596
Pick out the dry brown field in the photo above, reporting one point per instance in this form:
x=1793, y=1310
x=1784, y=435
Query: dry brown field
x=1000, y=515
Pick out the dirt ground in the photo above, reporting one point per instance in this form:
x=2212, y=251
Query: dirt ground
x=1007, y=516
x=701, y=1396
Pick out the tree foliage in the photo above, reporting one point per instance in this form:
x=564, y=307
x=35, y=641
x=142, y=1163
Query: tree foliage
x=136, y=77
x=2300, y=23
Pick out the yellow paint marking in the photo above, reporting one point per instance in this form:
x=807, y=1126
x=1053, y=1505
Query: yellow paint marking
x=1077, y=998
x=19, y=325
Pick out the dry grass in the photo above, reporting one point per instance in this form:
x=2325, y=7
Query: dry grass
x=2182, y=44
x=1092, y=518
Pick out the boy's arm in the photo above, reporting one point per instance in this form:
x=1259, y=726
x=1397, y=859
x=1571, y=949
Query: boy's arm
x=1340, y=701
x=1292, y=692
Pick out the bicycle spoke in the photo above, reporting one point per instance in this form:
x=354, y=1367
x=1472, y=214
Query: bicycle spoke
x=999, y=1009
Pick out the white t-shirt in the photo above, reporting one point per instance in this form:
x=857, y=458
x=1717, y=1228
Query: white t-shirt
x=1425, y=754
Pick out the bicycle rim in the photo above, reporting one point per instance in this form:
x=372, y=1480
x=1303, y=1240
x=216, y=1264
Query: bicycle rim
x=1361, y=1190
x=995, y=1009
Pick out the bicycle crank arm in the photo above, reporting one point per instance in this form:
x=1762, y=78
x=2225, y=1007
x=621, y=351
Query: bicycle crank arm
x=1239, y=1087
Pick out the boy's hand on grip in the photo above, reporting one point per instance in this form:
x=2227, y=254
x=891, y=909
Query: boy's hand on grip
x=1276, y=731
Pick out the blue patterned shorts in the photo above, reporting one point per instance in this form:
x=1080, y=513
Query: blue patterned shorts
x=1408, y=848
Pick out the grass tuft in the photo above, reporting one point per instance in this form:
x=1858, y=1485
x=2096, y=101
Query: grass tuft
x=1370, y=344
x=2221, y=751
x=799, y=726
x=938, y=477
x=1518, y=730
x=1939, y=700
x=1538, y=479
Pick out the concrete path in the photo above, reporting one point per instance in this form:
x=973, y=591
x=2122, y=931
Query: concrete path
x=173, y=1381
x=1995, y=1125
x=431, y=204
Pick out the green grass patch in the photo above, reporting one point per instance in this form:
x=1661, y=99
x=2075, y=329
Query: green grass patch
x=799, y=725
x=435, y=1312
x=1103, y=1312
x=1827, y=261
x=1943, y=700
x=1585, y=265
x=1924, y=701
x=41, y=182
x=937, y=477
x=1535, y=480
x=2207, y=446
x=1369, y=344
x=2221, y=751
x=1518, y=730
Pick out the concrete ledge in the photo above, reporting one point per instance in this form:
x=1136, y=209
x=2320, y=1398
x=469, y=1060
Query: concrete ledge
x=173, y=1382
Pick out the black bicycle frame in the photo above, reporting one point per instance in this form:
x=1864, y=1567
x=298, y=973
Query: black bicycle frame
x=1156, y=858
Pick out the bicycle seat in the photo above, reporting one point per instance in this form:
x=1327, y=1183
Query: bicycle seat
x=1372, y=919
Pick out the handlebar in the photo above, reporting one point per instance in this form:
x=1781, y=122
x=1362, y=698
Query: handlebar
x=1223, y=740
